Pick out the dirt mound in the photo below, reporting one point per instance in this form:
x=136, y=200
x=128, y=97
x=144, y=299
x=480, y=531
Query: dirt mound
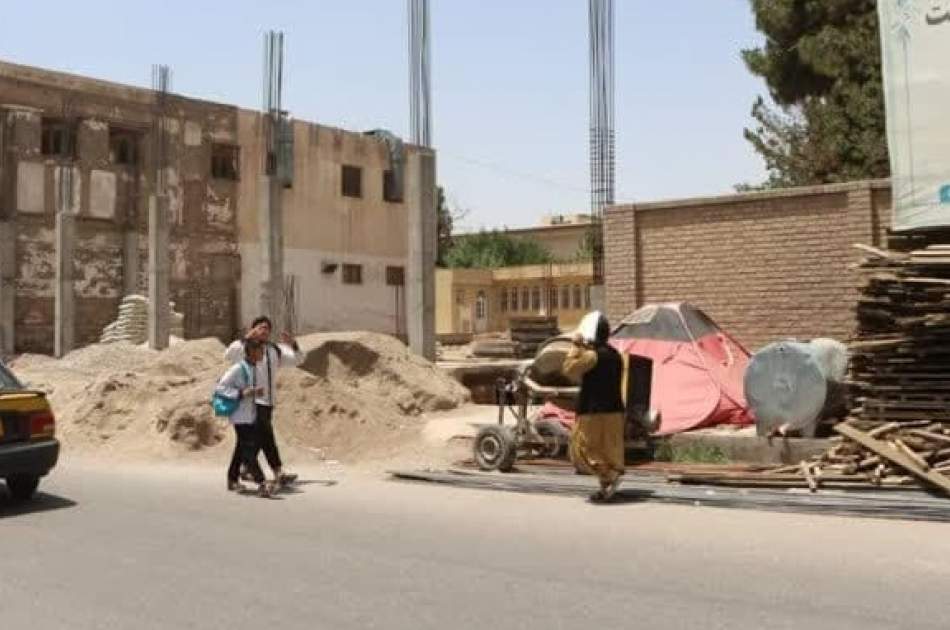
x=356, y=396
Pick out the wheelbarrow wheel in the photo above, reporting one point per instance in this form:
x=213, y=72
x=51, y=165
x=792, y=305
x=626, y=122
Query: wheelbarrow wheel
x=495, y=448
x=555, y=438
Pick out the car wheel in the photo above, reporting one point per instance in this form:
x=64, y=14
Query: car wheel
x=22, y=487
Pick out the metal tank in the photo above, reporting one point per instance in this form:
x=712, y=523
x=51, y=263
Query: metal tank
x=796, y=384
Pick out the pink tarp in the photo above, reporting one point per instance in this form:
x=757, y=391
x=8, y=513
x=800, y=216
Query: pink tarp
x=697, y=367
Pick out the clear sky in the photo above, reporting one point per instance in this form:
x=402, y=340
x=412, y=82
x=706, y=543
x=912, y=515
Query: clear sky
x=509, y=83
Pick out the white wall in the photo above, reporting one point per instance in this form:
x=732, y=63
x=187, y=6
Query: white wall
x=324, y=303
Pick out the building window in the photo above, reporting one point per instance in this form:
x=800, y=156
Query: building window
x=536, y=299
x=392, y=187
x=55, y=138
x=503, y=300
x=566, y=298
x=481, y=304
x=514, y=300
x=552, y=298
x=352, y=181
x=587, y=297
x=525, y=299
x=395, y=276
x=577, y=297
x=352, y=274
x=123, y=146
x=225, y=161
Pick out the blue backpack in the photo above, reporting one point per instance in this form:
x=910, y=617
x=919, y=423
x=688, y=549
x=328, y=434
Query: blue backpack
x=225, y=407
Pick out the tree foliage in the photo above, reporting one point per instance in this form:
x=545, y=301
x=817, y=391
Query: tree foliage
x=444, y=227
x=822, y=64
x=487, y=250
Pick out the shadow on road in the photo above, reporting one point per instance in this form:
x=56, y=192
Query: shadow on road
x=295, y=487
x=624, y=497
x=41, y=502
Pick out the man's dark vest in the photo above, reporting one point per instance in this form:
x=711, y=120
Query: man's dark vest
x=600, y=388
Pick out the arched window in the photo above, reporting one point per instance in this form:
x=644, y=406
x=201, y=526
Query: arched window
x=481, y=305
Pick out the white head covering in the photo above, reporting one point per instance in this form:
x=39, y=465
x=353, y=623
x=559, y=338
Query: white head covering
x=588, y=326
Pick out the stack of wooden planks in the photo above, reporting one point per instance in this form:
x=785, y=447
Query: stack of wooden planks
x=898, y=432
x=900, y=361
x=866, y=454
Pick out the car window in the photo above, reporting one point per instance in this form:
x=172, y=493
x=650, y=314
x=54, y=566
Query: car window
x=7, y=380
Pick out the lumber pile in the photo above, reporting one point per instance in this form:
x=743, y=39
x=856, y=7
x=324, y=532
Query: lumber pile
x=531, y=332
x=898, y=431
x=865, y=455
x=901, y=357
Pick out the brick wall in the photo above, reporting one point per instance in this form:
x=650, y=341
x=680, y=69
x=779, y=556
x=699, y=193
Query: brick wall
x=764, y=265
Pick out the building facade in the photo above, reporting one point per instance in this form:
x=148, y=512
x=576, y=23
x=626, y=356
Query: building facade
x=474, y=301
x=345, y=217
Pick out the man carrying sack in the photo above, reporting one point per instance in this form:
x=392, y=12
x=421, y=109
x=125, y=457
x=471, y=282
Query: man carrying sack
x=598, y=439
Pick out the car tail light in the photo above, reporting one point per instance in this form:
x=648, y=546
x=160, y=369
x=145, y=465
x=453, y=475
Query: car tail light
x=42, y=425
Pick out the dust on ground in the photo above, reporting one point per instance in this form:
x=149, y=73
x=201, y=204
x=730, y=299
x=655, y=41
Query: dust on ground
x=360, y=398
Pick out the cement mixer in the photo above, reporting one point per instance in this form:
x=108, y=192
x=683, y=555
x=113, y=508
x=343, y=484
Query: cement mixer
x=793, y=385
x=497, y=446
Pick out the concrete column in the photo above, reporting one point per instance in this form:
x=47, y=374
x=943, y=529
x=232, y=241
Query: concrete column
x=7, y=286
x=64, y=309
x=271, y=225
x=158, y=294
x=130, y=262
x=423, y=238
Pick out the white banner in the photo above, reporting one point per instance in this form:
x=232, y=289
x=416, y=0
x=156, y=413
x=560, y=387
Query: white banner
x=915, y=51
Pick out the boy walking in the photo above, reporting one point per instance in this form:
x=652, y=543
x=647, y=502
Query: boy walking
x=275, y=356
x=239, y=384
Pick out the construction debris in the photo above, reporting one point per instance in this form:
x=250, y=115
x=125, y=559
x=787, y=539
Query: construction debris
x=132, y=324
x=898, y=433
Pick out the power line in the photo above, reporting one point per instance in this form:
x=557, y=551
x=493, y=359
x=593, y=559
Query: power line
x=508, y=171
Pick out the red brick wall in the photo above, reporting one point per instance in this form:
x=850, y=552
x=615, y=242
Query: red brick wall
x=764, y=265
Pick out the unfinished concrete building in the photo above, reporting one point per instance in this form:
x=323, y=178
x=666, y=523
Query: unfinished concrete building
x=345, y=214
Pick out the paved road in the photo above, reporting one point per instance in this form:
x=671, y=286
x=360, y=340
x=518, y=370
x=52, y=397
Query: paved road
x=142, y=548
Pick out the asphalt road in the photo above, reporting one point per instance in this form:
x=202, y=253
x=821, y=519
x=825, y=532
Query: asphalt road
x=160, y=547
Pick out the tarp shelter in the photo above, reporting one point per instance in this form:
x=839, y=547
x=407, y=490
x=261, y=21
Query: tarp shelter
x=698, y=368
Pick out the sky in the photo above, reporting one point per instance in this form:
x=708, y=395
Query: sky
x=510, y=109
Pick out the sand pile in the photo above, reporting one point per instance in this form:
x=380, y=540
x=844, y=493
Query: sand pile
x=356, y=396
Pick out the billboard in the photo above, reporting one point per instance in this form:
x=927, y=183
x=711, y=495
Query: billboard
x=915, y=53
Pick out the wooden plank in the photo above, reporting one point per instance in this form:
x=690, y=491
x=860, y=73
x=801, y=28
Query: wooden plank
x=894, y=456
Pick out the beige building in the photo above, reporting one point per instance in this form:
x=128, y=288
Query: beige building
x=472, y=301
x=345, y=227
x=353, y=204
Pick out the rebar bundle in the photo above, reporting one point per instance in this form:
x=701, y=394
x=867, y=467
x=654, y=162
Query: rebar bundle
x=420, y=86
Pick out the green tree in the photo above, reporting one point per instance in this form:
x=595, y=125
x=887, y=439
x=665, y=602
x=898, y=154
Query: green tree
x=487, y=250
x=822, y=64
x=446, y=223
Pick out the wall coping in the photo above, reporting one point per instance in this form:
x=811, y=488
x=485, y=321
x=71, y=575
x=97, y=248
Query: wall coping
x=758, y=195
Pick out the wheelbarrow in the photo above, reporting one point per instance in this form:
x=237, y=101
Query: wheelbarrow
x=498, y=446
